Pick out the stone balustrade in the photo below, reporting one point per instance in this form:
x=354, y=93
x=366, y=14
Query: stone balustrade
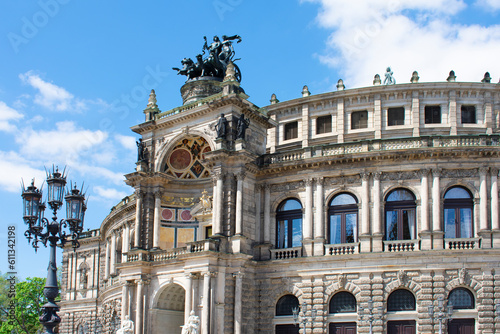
x=401, y=245
x=286, y=253
x=342, y=249
x=462, y=243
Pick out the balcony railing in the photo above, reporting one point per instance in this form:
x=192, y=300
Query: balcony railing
x=286, y=253
x=400, y=245
x=342, y=249
x=462, y=243
x=164, y=255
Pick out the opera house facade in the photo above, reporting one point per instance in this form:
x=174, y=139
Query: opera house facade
x=365, y=210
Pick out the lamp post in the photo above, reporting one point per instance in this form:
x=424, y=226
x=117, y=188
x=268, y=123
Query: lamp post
x=40, y=229
x=298, y=318
x=441, y=315
x=370, y=316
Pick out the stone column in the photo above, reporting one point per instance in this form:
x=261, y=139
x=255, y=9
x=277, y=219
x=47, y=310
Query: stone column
x=378, y=232
x=238, y=307
x=124, y=300
x=305, y=125
x=340, y=120
x=307, y=226
x=113, y=254
x=415, y=113
x=319, y=220
x=188, y=306
x=437, y=231
x=138, y=310
x=125, y=242
x=218, y=207
x=495, y=223
x=138, y=214
x=267, y=213
x=106, y=260
x=258, y=209
x=205, y=312
x=239, y=203
x=364, y=235
x=484, y=227
x=425, y=234
x=157, y=218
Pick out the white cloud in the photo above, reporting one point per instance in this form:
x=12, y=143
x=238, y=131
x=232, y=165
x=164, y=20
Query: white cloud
x=67, y=142
x=109, y=193
x=489, y=4
x=14, y=168
x=128, y=142
x=367, y=36
x=7, y=114
x=49, y=95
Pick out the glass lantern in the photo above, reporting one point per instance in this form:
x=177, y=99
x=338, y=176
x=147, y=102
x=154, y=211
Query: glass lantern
x=55, y=182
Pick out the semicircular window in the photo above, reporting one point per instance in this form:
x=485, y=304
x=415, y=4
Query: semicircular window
x=185, y=160
x=343, y=302
x=461, y=299
x=401, y=300
x=286, y=304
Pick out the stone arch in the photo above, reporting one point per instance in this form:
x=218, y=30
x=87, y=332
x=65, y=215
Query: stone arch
x=338, y=191
x=168, y=146
x=336, y=287
x=408, y=187
x=409, y=284
x=167, y=311
x=473, y=285
x=289, y=195
x=467, y=185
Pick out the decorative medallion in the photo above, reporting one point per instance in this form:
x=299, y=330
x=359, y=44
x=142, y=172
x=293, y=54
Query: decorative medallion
x=185, y=160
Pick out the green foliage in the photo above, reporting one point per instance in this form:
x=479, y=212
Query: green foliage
x=21, y=312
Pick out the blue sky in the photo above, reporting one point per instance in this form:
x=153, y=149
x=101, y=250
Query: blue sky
x=75, y=75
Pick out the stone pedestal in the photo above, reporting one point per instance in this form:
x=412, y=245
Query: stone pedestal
x=319, y=247
x=262, y=252
x=377, y=242
x=239, y=244
x=141, y=166
x=425, y=240
x=200, y=88
x=495, y=240
x=365, y=243
x=485, y=239
x=437, y=240
x=307, y=245
x=239, y=144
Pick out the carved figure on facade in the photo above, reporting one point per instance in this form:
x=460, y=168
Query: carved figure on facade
x=402, y=277
x=127, y=326
x=140, y=150
x=389, y=78
x=83, y=275
x=221, y=127
x=220, y=54
x=462, y=276
x=342, y=280
x=242, y=127
x=192, y=325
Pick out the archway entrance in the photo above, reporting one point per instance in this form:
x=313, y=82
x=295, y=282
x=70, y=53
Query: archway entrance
x=167, y=316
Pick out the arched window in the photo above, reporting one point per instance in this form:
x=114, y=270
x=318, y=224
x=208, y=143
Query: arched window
x=460, y=299
x=343, y=213
x=458, y=206
x=343, y=302
x=289, y=224
x=400, y=215
x=286, y=304
x=401, y=300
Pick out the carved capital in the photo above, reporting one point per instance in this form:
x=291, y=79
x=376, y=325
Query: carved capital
x=436, y=172
x=494, y=172
x=483, y=171
x=308, y=182
x=377, y=176
x=139, y=193
x=320, y=181
x=240, y=176
x=364, y=176
x=238, y=275
x=423, y=173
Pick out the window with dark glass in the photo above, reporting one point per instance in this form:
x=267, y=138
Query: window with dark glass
x=323, y=124
x=460, y=299
x=343, y=219
x=400, y=215
x=343, y=302
x=401, y=300
x=458, y=205
x=359, y=120
x=432, y=114
x=286, y=304
x=291, y=130
x=396, y=116
x=468, y=114
x=289, y=224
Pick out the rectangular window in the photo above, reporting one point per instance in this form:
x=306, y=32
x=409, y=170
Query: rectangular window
x=323, y=124
x=468, y=114
x=359, y=120
x=291, y=130
x=432, y=114
x=396, y=116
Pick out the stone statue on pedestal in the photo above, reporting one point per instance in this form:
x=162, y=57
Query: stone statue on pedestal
x=127, y=326
x=389, y=78
x=242, y=126
x=193, y=324
x=221, y=127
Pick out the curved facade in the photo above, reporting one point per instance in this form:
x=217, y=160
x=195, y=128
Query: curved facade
x=359, y=208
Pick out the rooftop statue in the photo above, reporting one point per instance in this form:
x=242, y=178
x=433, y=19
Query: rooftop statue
x=389, y=78
x=220, y=54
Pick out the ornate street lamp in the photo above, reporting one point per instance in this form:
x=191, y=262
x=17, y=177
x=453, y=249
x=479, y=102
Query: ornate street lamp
x=441, y=315
x=371, y=315
x=40, y=229
x=297, y=311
